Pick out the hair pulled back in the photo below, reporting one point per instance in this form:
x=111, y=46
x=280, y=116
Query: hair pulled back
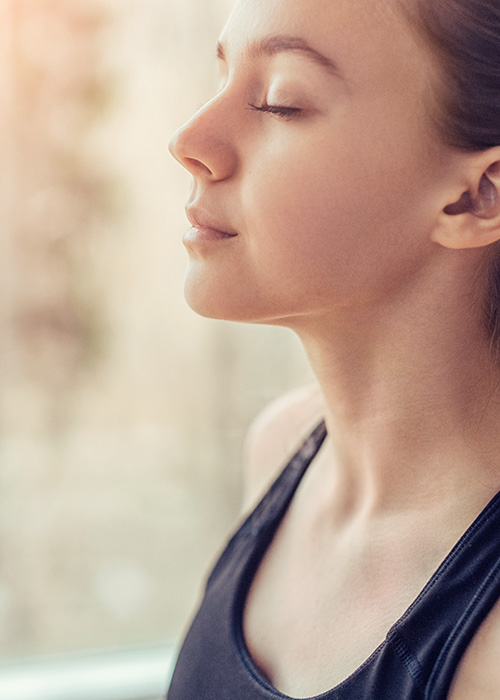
x=465, y=37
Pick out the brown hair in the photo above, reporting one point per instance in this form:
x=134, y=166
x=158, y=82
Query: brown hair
x=465, y=37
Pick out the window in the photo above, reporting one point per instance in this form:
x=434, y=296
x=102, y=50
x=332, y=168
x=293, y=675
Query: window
x=122, y=413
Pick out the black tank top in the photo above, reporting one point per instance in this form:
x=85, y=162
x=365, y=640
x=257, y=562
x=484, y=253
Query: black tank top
x=421, y=652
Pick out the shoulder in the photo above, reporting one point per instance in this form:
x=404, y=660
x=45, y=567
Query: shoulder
x=275, y=435
x=478, y=674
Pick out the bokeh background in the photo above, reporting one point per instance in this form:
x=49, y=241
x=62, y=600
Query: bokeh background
x=122, y=413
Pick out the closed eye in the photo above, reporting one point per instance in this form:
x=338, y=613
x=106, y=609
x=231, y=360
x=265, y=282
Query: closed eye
x=278, y=110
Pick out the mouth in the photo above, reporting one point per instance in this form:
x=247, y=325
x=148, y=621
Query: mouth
x=204, y=228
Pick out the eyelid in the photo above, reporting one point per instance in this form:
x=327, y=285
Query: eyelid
x=277, y=110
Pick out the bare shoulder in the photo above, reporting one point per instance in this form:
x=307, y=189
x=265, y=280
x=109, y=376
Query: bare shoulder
x=478, y=675
x=275, y=434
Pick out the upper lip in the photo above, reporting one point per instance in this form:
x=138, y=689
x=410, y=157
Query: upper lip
x=200, y=219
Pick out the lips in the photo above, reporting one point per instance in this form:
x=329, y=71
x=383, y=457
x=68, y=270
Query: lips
x=206, y=226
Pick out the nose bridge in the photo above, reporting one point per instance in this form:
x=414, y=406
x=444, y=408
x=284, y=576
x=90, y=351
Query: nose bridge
x=204, y=143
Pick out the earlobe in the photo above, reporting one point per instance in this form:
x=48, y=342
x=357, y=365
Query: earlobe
x=473, y=220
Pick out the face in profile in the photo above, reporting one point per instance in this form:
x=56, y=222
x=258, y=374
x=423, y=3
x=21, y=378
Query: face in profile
x=316, y=168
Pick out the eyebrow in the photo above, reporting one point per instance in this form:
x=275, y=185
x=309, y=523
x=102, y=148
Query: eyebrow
x=281, y=43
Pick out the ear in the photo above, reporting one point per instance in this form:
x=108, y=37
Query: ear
x=473, y=219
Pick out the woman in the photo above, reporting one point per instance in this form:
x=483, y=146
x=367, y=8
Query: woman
x=346, y=184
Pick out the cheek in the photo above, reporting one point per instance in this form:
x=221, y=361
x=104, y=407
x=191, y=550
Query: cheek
x=340, y=224
x=312, y=208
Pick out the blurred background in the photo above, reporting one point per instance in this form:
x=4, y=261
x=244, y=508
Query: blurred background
x=122, y=413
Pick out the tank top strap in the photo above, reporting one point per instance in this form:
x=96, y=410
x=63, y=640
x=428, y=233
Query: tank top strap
x=271, y=509
x=435, y=631
x=257, y=530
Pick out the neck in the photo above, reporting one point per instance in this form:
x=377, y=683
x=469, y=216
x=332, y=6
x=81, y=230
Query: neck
x=411, y=398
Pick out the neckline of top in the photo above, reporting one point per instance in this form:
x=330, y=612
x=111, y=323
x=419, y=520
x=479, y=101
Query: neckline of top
x=302, y=460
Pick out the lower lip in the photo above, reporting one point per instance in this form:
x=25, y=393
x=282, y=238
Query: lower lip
x=205, y=235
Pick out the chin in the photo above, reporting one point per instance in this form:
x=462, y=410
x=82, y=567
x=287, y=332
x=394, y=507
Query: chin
x=222, y=301
x=237, y=310
x=221, y=310
x=209, y=301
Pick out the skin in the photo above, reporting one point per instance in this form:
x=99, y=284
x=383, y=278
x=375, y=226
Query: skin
x=352, y=224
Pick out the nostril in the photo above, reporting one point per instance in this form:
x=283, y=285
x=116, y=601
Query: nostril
x=201, y=148
x=192, y=164
x=178, y=150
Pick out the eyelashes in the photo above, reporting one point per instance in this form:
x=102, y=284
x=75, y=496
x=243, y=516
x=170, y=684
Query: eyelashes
x=277, y=110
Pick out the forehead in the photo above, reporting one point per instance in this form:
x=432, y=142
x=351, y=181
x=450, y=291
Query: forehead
x=367, y=39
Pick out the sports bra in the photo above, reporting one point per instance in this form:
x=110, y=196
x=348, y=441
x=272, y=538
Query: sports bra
x=416, y=661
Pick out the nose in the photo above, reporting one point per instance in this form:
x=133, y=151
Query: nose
x=204, y=145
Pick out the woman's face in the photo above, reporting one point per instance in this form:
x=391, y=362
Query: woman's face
x=318, y=157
